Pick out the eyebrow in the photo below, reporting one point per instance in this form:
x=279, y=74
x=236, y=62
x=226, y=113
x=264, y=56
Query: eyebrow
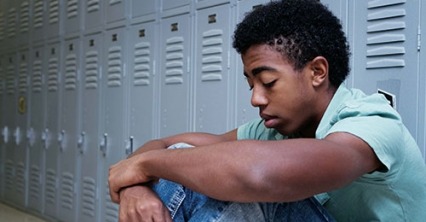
x=258, y=70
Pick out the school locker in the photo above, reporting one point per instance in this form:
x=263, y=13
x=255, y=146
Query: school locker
x=175, y=75
x=212, y=87
x=72, y=16
x=69, y=162
x=10, y=171
x=11, y=24
x=24, y=22
x=244, y=110
x=53, y=15
x=93, y=16
x=38, y=20
x=143, y=9
x=385, y=43
x=172, y=4
x=2, y=126
x=113, y=142
x=51, y=134
x=421, y=140
x=88, y=141
x=116, y=12
x=36, y=125
x=2, y=23
x=142, y=81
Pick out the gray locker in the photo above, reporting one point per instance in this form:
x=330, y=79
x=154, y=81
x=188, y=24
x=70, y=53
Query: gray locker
x=2, y=125
x=212, y=87
x=38, y=20
x=175, y=95
x=24, y=22
x=116, y=12
x=142, y=84
x=69, y=163
x=93, y=16
x=51, y=134
x=36, y=107
x=209, y=3
x=244, y=110
x=385, y=43
x=11, y=24
x=2, y=23
x=10, y=167
x=144, y=9
x=72, y=16
x=90, y=128
x=113, y=109
x=421, y=140
x=53, y=15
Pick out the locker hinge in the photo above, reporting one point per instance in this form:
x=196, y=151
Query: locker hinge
x=419, y=38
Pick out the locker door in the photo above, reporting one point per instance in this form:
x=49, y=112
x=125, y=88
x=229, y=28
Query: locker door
x=11, y=24
x=115, y=10
x=93, y=15
x=2, y=124
x=68, y=134
x=142, y=8
x=72, y=16
x=113, y=140
x=90, y=121
x=35, y=129
x=385, y=49
x=212, y=69
x=51, y=133
x=141, y=87
x=24, y=21
x=21, y=152
x=2, y=26
x=171, y=4
x=38, y=20
x=175, y=101
x=421, y=140
x=244, y=110
x=11, y=196
x=52, y=20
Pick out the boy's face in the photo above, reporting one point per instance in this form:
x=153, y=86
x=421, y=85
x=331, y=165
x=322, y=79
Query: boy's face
x=286, y=98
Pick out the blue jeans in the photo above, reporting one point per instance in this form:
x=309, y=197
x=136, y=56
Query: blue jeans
x=187, y=205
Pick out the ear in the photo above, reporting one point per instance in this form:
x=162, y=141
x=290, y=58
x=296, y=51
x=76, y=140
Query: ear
x=319, y=70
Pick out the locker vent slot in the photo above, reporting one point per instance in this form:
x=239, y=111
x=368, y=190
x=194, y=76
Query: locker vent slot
x=34, y=186
x=10, y=79
x=89, y=196
x=174, y=60
x=25, y=17
x=22, y=78
x=37, y=76
x=113, y=2
x=114, y=66
x=91, y=81
x=20, y=178
x=142, y=64
x=92, y=6
x=50, y=191
x=2, y=26
x=52, y=75
x=38, y=14
x=67, y=191
x=111, y=211
x=53, y=11
x=212, y=55
x=385, y=34
x=9, y=175
x=71, y=72
x=72, y=9
x=11, y=21
x=2, y=81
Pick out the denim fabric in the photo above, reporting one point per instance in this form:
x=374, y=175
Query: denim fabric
x=187, y=205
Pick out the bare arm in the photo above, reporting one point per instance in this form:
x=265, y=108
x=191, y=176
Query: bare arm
x=250, y=170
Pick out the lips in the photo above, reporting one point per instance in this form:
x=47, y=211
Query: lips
x=270, y=121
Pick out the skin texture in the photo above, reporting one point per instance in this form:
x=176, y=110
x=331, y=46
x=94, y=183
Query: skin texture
x=292, y=102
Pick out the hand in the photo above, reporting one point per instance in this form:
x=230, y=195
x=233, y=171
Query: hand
x=124, y=174
x=140, y=203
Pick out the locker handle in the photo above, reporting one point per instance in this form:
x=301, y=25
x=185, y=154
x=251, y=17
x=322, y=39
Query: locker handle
x=45, y=138
x=80, y=142
x=129, y=149
x=17, y=135
x=61, y=139
x=104, y=143
x=31, y=136
x=5, y=134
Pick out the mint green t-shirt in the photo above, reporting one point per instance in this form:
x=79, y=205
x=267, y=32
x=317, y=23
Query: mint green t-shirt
x=397, y=193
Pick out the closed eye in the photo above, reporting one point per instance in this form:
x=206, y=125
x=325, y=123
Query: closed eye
x=270, y=84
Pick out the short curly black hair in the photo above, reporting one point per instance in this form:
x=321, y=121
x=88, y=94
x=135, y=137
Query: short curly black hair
x=301, y=30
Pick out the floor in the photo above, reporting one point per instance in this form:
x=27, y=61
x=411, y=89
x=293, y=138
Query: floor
x=10, y=214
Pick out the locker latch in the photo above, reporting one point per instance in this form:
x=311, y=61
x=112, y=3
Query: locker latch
x=31, y=136
x=104, y=143
x=5, y=134
x=17, y=135
x=61, y=139
x=45, y=138
x=129, y=148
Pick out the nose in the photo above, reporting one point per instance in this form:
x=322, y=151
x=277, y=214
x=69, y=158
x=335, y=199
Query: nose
x=258, y=97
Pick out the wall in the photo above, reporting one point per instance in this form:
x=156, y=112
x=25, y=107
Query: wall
x=83, y=83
